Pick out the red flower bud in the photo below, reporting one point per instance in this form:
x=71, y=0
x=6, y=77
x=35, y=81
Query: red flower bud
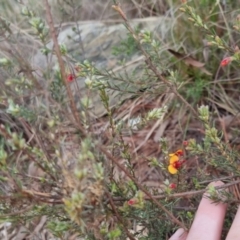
x=132, y=202
x=70, y=77
x=185, y=143
x=172, y=185
x=226, y=61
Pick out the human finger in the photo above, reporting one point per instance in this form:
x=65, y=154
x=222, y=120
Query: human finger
x=234, y=232
x=209, y=218
x=180, y=234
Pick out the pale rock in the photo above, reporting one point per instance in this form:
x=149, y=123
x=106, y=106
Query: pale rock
x=94, y=41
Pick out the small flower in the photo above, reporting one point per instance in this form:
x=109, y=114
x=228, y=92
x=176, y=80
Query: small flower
x=172, y=167
x=226, y=61
x=178, y=153
x=172, y=185
x=174, y=161
x=70, y=77
x=185, y=143
x=132, y=201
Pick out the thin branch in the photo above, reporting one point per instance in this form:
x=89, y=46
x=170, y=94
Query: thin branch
x=184, y=194
x=61, y=65
x=192, y=193
x=118, y=216
x=169, y=214
x=150, y=63
x=13, y=214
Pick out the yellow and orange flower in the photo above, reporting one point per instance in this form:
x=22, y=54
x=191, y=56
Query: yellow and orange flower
x=174, y=161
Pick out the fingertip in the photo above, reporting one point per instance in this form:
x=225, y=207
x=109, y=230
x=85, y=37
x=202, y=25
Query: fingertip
x=209, y=218
x=216, y=183
x=234, y=232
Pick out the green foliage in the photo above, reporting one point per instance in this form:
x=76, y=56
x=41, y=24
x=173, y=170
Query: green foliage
x=59, y=228
x=195, y=90
x=86, y=174
x=127, y=46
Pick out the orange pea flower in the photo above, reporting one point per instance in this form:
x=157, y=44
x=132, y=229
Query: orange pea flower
x=179, y=152
x=174, y=161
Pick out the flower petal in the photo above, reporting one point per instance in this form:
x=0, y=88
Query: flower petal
x=70, y=77
x=174, y=158
x=172, y=169
x=226, y=61
x=179, y=152
x=172, y=185
x=132, y=201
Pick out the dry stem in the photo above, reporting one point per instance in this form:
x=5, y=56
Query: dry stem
x=118, y=216
x=61, y=65
x=150, y=63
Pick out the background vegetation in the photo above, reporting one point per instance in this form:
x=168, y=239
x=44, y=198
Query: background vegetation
x=72, y=176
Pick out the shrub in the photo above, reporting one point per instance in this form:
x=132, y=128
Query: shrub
x=57, y=165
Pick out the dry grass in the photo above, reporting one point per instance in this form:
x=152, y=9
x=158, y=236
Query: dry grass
x=219, y=91
x=83, y=10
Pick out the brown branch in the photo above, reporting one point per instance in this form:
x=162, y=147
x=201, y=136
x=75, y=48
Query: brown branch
x=28, y=208
x=118, y=216
x=150, y=63
x=37, y=197
x=192, y=193
x=25, y=67
x=61, y=65
x=184, y=194
x=169, y=214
